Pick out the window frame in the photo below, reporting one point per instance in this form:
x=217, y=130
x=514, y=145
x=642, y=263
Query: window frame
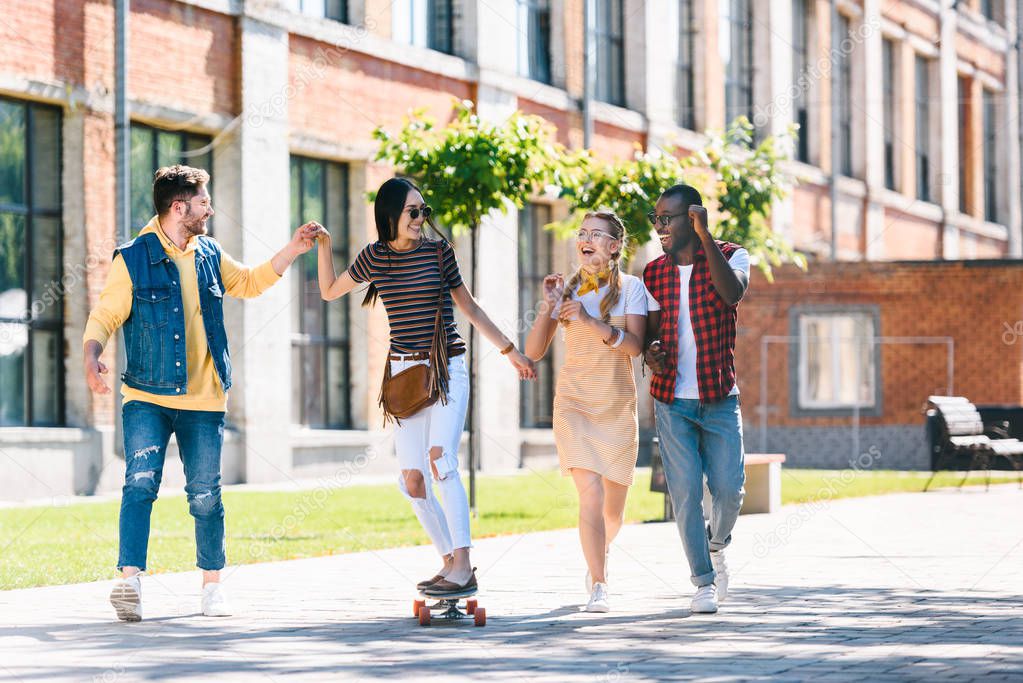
x=922, y=151
x=534, y=51
x=610, y=75
x=738, y=71
x=154, y=132
x=28, y=212
x=439, y=41
x=843, y=31
x=343, y=17
x=302, y=339
x=685, y=66
x=798, y=316
x=889, y=112
x=801, y=37
x=531, y=274
x=990, y=125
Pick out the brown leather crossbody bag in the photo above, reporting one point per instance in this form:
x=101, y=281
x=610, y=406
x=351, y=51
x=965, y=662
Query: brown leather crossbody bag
x=420, y=386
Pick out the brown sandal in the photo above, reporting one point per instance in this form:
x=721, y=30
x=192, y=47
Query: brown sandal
x=423, y=585
x=445, y=587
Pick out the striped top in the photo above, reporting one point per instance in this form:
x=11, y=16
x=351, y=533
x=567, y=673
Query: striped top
x=409, y=284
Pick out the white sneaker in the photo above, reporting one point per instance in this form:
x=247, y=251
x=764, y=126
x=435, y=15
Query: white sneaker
x=214, y=601
x=126, y=597
x=720, y=574
x=598, y=599
x=705, y=601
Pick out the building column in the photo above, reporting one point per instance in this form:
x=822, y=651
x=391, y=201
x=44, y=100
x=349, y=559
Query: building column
x=873, y=137
x=948, y=148
x=253, y=223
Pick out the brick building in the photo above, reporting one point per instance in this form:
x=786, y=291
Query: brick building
x=277, y=99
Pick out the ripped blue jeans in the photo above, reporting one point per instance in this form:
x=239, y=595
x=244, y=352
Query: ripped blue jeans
x=200, y=434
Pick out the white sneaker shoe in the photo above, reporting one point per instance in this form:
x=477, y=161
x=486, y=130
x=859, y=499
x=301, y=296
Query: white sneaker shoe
x=598, y=599
x=705, y=601
x=720, y=574
x=126, y=598
x=214, y=601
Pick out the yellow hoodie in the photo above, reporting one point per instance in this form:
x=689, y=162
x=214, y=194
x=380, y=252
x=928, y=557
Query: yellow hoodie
x=204, y=389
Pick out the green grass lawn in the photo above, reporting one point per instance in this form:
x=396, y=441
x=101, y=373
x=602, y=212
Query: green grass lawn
x=54, y=545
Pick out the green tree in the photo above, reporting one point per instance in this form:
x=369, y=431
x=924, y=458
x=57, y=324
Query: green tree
x=472, y=167
x=743, y=179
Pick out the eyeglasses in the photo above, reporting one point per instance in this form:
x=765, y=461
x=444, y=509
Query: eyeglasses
x=415, y=211
x=663, y=219
x=592, y=235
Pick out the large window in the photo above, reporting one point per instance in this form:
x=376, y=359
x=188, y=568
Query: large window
x=800, y=75
x=923, y=129
x=888, y=105
x=837, y=361
x=320, y=343
x=844, y=85
x=31, y=257
x=609, y=23
x=424, y=23
x=325, y=9
x=735, y=42
x=993, y=10
x=534, y=46
x=963, y=110
x=536, y=260
x=685, y=79
x=152, y=148
x=990, y=157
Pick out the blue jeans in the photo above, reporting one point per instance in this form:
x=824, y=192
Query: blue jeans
x=698, y=440
x=147, y=430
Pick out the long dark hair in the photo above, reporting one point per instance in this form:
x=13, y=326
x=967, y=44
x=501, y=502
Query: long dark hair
x=387, y=208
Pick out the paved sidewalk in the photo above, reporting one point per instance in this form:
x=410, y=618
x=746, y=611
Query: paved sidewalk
x=899, y=587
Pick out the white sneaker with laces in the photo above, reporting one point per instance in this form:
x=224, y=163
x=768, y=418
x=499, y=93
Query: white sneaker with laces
x=717, y=560
x=126, y=598
x=598, y=599
x=705, y=601
x=214, y=601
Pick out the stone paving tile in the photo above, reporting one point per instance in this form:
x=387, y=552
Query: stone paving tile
x=900, y=587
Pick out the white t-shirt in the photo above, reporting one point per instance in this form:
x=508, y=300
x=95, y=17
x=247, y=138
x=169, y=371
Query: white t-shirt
x=633, y=301
x=686, y=383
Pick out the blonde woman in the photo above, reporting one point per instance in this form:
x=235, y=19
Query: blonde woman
x=603, y=313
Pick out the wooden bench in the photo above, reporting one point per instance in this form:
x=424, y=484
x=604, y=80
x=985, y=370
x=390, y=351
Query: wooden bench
x=763, y=484
x=962, y=435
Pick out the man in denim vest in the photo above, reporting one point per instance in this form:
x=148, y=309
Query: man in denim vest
x=696, y=287
x=166, y=289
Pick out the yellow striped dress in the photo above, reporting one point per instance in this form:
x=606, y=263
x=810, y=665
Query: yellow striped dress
x=595, y=423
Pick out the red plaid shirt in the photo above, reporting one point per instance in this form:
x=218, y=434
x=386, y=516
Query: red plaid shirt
x=713, y=326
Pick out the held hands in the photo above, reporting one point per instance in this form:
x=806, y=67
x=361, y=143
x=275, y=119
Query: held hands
x=306, y=236
x=523, y=364
x=698, y=217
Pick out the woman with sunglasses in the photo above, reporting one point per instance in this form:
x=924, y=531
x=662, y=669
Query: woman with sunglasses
x=603, y=314
x=403, y=269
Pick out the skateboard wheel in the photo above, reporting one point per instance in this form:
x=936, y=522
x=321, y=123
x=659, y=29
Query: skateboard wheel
x=424, y=616
x=416, y=606
x=480, y=616
x=470, y=606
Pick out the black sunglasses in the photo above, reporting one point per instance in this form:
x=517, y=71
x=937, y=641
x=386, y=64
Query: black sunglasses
x=415, y=211
x=663, y=219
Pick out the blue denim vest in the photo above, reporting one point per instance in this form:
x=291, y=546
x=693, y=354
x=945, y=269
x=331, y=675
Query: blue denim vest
x=154, y=333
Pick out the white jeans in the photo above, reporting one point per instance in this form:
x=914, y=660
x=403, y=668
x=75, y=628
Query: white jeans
x=445, y=521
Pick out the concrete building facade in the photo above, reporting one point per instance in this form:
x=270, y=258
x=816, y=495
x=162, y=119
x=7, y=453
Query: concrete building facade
x=277, y=98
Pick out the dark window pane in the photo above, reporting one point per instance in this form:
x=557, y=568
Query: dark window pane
x=46, y=158
x=312, y=378
x=142, y=171
x=990, y=158
x=12, y=152
x=12, y=260
x=312, y=191
x=46, y=269
x=168, y=149
x=337, y=389
x=536, y=255
x=47, y=354
x=337, y=10
x=13, y=340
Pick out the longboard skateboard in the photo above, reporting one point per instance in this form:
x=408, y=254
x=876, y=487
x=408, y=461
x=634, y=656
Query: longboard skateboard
x=448, y=608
